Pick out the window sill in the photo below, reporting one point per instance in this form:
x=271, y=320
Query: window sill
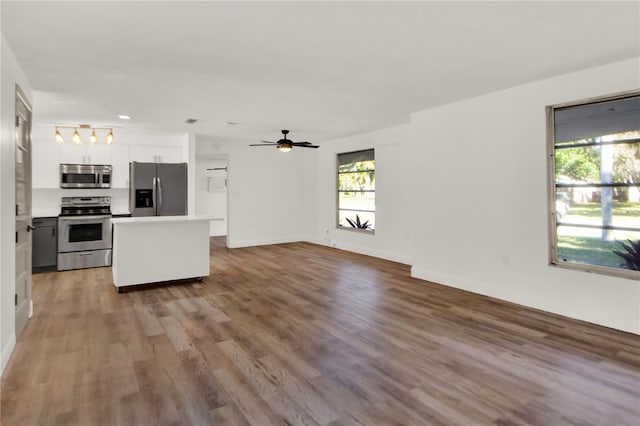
x=602, y=270
x=359, y=231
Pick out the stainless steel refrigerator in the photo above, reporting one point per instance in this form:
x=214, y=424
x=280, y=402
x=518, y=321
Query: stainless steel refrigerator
x=157, y=189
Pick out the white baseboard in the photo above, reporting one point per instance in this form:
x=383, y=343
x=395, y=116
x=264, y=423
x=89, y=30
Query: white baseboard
x=6, y=352
x=250, y=243
x=393, y=257
x=380, y=254
x=348, y=247
x=450, y=281
x=519, y=298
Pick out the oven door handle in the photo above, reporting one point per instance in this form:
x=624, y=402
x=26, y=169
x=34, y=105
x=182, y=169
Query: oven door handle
x=94, y=218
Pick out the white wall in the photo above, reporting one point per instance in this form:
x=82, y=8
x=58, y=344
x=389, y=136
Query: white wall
x=394, y=220
x=480, y=181
x=10, y=74
x=265, y=193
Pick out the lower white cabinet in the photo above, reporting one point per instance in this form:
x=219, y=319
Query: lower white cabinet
x=159, y=248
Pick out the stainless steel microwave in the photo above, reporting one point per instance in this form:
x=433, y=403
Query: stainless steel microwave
x=85, y=176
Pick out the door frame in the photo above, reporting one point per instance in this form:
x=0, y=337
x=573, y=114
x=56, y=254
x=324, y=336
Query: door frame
x=204, y=160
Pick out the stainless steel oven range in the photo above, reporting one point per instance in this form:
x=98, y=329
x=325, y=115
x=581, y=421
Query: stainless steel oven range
x=84, y=233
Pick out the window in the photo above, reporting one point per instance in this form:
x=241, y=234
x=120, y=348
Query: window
x=357, y=190
x=594, y=170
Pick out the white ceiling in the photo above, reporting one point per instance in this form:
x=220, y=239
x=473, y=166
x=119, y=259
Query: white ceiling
x=322, y=69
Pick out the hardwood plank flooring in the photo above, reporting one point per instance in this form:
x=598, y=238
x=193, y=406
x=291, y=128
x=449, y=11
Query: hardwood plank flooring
x=302, y=334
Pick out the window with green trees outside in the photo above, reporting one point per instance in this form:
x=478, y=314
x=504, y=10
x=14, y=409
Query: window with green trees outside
x=357, y=190
x=594, y=159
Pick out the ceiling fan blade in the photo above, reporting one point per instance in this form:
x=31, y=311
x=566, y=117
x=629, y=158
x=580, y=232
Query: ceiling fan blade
x=263, y=144
x=268, y=142
x=308, y=146
x=301, y=143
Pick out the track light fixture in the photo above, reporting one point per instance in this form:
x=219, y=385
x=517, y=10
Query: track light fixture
x=77, y=139
x=59, y=139
x=93, y=139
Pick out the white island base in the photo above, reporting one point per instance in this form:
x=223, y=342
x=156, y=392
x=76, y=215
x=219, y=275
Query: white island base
x=159, y=248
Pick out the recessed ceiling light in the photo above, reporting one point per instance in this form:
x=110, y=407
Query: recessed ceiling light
x=190, y=120
x=229, y=123
x=124, y=117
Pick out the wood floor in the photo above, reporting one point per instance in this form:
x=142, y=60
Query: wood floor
x=303, y=334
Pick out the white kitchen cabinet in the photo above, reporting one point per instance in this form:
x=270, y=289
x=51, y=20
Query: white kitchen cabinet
x=142, y=153
x=99, y=154
x=45, y=165
x=169, y=154
x=47, y=157
x=71, y=153
x=120, y=162
x=155, y=154
x=84, y=153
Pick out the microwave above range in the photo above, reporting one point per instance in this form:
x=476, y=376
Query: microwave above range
x=85, y=176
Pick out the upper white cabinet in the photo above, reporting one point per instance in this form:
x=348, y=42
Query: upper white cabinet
x=100, y=154
x=120, y=162
x=142, y=153
x=155, y=154
x=85, y=153
x=169, y=154
x=45, y=165
x=71, y=153
x=126, y=147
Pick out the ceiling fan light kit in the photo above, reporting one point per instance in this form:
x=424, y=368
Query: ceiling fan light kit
x=284, y=144
x=77, y=139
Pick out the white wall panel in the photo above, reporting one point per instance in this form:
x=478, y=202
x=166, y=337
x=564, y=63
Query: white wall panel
x=266, y=192
x=483, y=193
x=394, y=218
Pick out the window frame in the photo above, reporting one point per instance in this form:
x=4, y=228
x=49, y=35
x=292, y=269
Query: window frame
x=338, y=191
x=551, y=190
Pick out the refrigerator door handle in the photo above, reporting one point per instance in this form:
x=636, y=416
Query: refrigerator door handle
x=159, y=211
x=154, y=196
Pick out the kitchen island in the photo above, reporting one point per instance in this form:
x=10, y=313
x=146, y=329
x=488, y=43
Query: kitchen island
x=159, y=248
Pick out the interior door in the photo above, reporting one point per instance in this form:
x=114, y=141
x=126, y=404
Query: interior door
x=172, y=189
x=23, y=210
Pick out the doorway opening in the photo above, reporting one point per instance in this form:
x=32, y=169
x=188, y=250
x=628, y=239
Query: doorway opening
x=211, y=198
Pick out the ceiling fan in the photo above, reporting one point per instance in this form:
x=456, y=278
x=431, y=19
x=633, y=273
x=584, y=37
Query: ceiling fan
x=284, y=144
